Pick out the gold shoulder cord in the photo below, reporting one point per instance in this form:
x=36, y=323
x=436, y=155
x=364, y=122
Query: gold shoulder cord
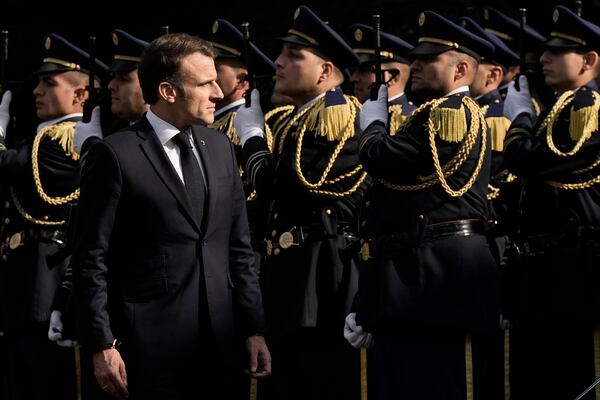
x=396, y=118
x=63, y=132
x=225, y=125
x=302, y=119
x=285, y=112
x=585, y=133
x=441, y=172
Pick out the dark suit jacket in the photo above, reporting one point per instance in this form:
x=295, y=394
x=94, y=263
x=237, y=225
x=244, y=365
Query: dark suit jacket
x=146, y=271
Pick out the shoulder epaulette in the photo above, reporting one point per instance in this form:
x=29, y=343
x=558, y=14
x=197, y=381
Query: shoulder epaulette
x=583, y=120
x=497, y=123
x=334, y=117
x=451, y=119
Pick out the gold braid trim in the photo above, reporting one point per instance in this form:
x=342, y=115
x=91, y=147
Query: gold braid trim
x=285, y=112
x=537, y=108
x=396, y=118
x=493, y=192
x=477, y=121
x=64, y=133
x=28, y=216
x=225, y=125
x=346, y=133
x=549, y=122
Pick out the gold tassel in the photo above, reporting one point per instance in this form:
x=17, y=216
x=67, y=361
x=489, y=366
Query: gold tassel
x=396, y=118
x=63, y=132
x=451, y=123
x=330, y=121
x=225, y=125
x=498, y=128
x=584, y=121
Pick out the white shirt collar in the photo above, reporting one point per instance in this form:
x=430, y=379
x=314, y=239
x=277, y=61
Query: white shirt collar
x=229, y=106
x=163, y=129
x=57, y=120
x=396, y=96
x=302, y=107
x=458, y=90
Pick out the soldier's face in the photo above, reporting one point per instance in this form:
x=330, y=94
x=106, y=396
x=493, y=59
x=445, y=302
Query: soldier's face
x=232, y=79
x=297, y=73
x=562, y=69
x=361, y=79
x=56, y=95
x=433, y=74
x=127, y=101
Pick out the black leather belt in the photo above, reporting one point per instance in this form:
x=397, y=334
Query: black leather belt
x=300, y=234
x=25, y=236
x=397, y=242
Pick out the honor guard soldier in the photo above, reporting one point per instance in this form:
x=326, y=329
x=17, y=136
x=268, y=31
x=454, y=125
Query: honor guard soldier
x=432, y=296
x=42, y=181
x=509, y=31
x=314, y=181
x=127, y=102
x=394, y=66
x=233, y=77
x=556, y=334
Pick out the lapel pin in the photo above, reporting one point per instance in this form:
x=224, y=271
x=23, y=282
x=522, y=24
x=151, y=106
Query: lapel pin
x=202, y=142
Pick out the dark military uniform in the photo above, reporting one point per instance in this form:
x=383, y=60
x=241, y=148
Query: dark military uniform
x=313, y=182
x=432, y=291
x=42, y=181
x=555, y=339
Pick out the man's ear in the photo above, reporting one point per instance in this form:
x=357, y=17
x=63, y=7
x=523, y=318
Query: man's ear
x=327, y=70
x=167, y=91
x=81, y=95
x=495, y=74
x=461, y=70
x=590, y=60
x=242, y=81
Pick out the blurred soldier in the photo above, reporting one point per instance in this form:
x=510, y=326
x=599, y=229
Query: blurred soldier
x=556, y=336
x=43, y=181
x=509, y=31
x=127, y=102
x=503, y=189
x=313, y=179
x=433, y=298
x=394, y=65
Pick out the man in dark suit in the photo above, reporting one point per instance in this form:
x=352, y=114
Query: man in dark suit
x=163, y=259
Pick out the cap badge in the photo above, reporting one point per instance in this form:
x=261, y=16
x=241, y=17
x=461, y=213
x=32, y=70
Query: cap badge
x=358, y=34
x=555, y=15
x=422, y=19
x=47, y=42
x=215, y=27
x=115, y=39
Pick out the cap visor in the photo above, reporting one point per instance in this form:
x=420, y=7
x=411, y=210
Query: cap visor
x=428, y=49
x=122, y=66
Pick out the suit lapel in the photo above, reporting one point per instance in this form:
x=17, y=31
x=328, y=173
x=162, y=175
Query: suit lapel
x=203, y=145
x=155, y=153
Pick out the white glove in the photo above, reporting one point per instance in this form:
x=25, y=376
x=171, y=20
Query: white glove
x=518, y=101
x=249, y=121
x=4, y=114
x=375, y=110
x=84, y=130
x=355, y=335
x=55, y=331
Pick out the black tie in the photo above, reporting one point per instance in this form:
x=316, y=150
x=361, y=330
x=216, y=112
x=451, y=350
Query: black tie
x=192, y=175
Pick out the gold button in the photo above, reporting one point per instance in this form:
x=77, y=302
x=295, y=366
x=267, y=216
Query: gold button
x=327, y=211
x=4, y=257
x=273, y=233
x=7, y=220
x=7, y=204
x=276, y=251
x=421, y=216
x=275, y=216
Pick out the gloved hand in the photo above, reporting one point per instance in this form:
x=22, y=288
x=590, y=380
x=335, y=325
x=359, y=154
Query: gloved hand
x=518, y=102
x=84, y=130
x=375, y=110
x=55, y=331
x=250, y=121
x=4, y=114
x=355, y=335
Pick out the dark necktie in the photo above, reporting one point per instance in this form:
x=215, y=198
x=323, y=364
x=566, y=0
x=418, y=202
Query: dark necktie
x=192, y=174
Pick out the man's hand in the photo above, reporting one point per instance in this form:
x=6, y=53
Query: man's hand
x=110, y=373
x=4, y=113
x=55, y=331
x=260, y=358
x=518, y=102
x=249, y=121
x=85, y=130
x=375, y=110
x=355, y=335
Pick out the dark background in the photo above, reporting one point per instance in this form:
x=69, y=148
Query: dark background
x=28, y=23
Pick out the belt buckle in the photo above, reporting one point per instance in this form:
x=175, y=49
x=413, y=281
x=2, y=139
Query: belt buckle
x=15, y=241
x=286, y=239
